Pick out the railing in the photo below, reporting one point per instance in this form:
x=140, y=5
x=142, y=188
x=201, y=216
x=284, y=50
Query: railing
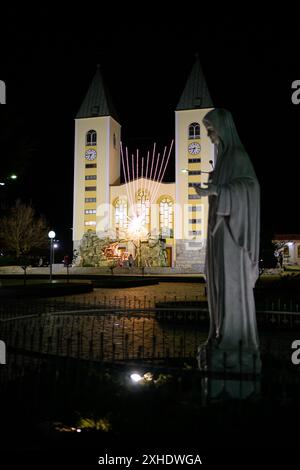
x=287, y=303
x=103, y=334
x=280, y=313
x=119, y=334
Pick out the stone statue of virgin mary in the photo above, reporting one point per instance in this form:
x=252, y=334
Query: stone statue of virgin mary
x=232, y=254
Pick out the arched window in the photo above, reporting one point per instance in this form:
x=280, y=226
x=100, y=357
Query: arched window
x=166, y=216
x=143, y=208
x=121, y=214
x=91, y=138
x=194, y=130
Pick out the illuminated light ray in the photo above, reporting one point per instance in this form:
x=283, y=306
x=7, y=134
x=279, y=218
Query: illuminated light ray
x=147, y=169
x=170, y=150
x=155, y=189
x=153, y=153
x=137, y=170
x=149, y=187
x=137, y=175
x=132, y=163
x=131, y=186
x=124, y=171
x=129, y=190
x=158, y=180
x=142, y=176
x=154, y=182
x=164, y=170
x=133, y=182
x=147, y=183
x=126, y=177
x=155, y=171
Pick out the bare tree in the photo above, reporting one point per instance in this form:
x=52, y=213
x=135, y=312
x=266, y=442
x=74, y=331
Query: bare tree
x=22, y=230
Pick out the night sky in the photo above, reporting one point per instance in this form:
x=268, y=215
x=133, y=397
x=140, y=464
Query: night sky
x=48, y=59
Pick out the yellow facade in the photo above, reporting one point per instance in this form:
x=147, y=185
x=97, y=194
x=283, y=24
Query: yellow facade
x=107, y=162
x=103, y=205
x=183, y=120
x=96, y=209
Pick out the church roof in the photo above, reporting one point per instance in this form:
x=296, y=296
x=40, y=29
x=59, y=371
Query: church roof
x=97, y=101
x=195, y=94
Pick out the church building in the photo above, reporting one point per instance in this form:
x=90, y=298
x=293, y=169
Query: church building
x=143, y=206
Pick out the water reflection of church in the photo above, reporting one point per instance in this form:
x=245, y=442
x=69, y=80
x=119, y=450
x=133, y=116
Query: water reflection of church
x=144, y=210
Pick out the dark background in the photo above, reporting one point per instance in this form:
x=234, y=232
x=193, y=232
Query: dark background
x=49, y=57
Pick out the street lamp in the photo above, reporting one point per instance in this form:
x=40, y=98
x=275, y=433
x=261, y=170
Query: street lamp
x=51, y=235
x=55, y=245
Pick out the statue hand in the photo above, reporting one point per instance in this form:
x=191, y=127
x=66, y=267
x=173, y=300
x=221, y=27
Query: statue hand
x=211, y=190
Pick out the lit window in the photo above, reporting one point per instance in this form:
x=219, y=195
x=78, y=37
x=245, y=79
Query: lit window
x=143, y=208
x=195, y=232
x=194, y=221
x=90, y=177
x=90, y=211
x=91, y=138
x=194, y=130
x=90, y=222
x=90, y=199
x=166, y=217
x=121, y=221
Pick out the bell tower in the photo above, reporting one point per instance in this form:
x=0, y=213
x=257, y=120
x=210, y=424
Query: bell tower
x=96, y=160
x=193, y=153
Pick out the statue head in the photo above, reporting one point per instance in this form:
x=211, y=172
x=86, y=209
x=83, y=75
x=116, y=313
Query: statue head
x=211, y=132
x=221, y=129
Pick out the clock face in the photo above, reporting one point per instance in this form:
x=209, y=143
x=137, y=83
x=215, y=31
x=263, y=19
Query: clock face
x=194, y=148
x=90, y=154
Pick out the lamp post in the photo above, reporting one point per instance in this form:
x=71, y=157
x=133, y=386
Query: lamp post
x=51, y=235
x=55, y=245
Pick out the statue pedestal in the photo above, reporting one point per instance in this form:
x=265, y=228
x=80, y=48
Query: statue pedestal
x=222, y=389
x=233, y=373
x=213, y=358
